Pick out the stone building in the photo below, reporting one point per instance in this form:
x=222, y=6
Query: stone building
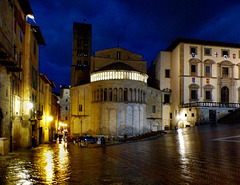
x=64, y=101
x=55, y=112
x=49, y=111
x=203, y=78
x=117, y=101
x=82, y=38
x=20, y=108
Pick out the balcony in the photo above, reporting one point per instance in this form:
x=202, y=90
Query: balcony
x=211, y=104
x=7, y=54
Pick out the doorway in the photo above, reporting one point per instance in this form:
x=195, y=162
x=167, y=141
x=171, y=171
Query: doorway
x=212, y=116
x=224, y=95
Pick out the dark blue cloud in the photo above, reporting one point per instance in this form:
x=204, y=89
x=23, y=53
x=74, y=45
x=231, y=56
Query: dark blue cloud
x=144, y=27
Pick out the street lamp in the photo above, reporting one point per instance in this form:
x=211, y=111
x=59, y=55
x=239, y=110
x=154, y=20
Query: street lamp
x=49, y=118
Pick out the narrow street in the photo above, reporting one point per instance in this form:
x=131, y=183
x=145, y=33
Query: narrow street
x=197, y=155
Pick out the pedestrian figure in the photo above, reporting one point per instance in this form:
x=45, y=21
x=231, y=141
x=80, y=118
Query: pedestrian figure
x=102, y=141
x=34, y=140
x=64, y=139
x=176, y=128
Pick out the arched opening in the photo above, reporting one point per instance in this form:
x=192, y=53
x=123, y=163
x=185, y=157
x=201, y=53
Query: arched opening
x=125, y=94
x=101, y=95
x=131, y=95
x=110, y=94
x=105, y=94
x=120, y=94
x=224, y=95
x=115, y=94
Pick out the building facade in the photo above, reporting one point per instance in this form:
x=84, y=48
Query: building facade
x=117, y=102
x=49, y=111
x=64, y=101
x=203, y=78
x=20, y=104
x=81, y=53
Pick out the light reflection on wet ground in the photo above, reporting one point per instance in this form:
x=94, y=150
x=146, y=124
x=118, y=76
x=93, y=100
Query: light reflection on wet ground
x=56, y=164
x=188, y=156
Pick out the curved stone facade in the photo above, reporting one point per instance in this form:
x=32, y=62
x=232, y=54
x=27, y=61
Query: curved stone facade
x=122, y=107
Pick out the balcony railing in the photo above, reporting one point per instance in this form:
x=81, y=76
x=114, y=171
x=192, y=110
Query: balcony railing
x=211, y=104
x=7, y=54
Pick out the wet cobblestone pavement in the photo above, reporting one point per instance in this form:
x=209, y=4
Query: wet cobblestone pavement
x=199, y=155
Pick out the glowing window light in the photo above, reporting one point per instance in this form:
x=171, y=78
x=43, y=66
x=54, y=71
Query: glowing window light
x=124, y=75
x=119, y=75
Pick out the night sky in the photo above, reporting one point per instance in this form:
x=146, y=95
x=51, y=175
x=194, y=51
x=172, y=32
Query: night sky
x=142, y=26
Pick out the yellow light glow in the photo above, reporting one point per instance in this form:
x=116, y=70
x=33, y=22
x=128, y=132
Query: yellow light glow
x=30, y=16
x=50, y=165
x=62, y=124
x=119, y=75
x=30, y=105
x=49, y=118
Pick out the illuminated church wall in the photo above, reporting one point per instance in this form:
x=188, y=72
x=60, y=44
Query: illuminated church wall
x=117, y=101
x=108, y=113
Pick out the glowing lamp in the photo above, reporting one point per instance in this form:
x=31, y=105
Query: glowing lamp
x=30, y=105
x=50, y=118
